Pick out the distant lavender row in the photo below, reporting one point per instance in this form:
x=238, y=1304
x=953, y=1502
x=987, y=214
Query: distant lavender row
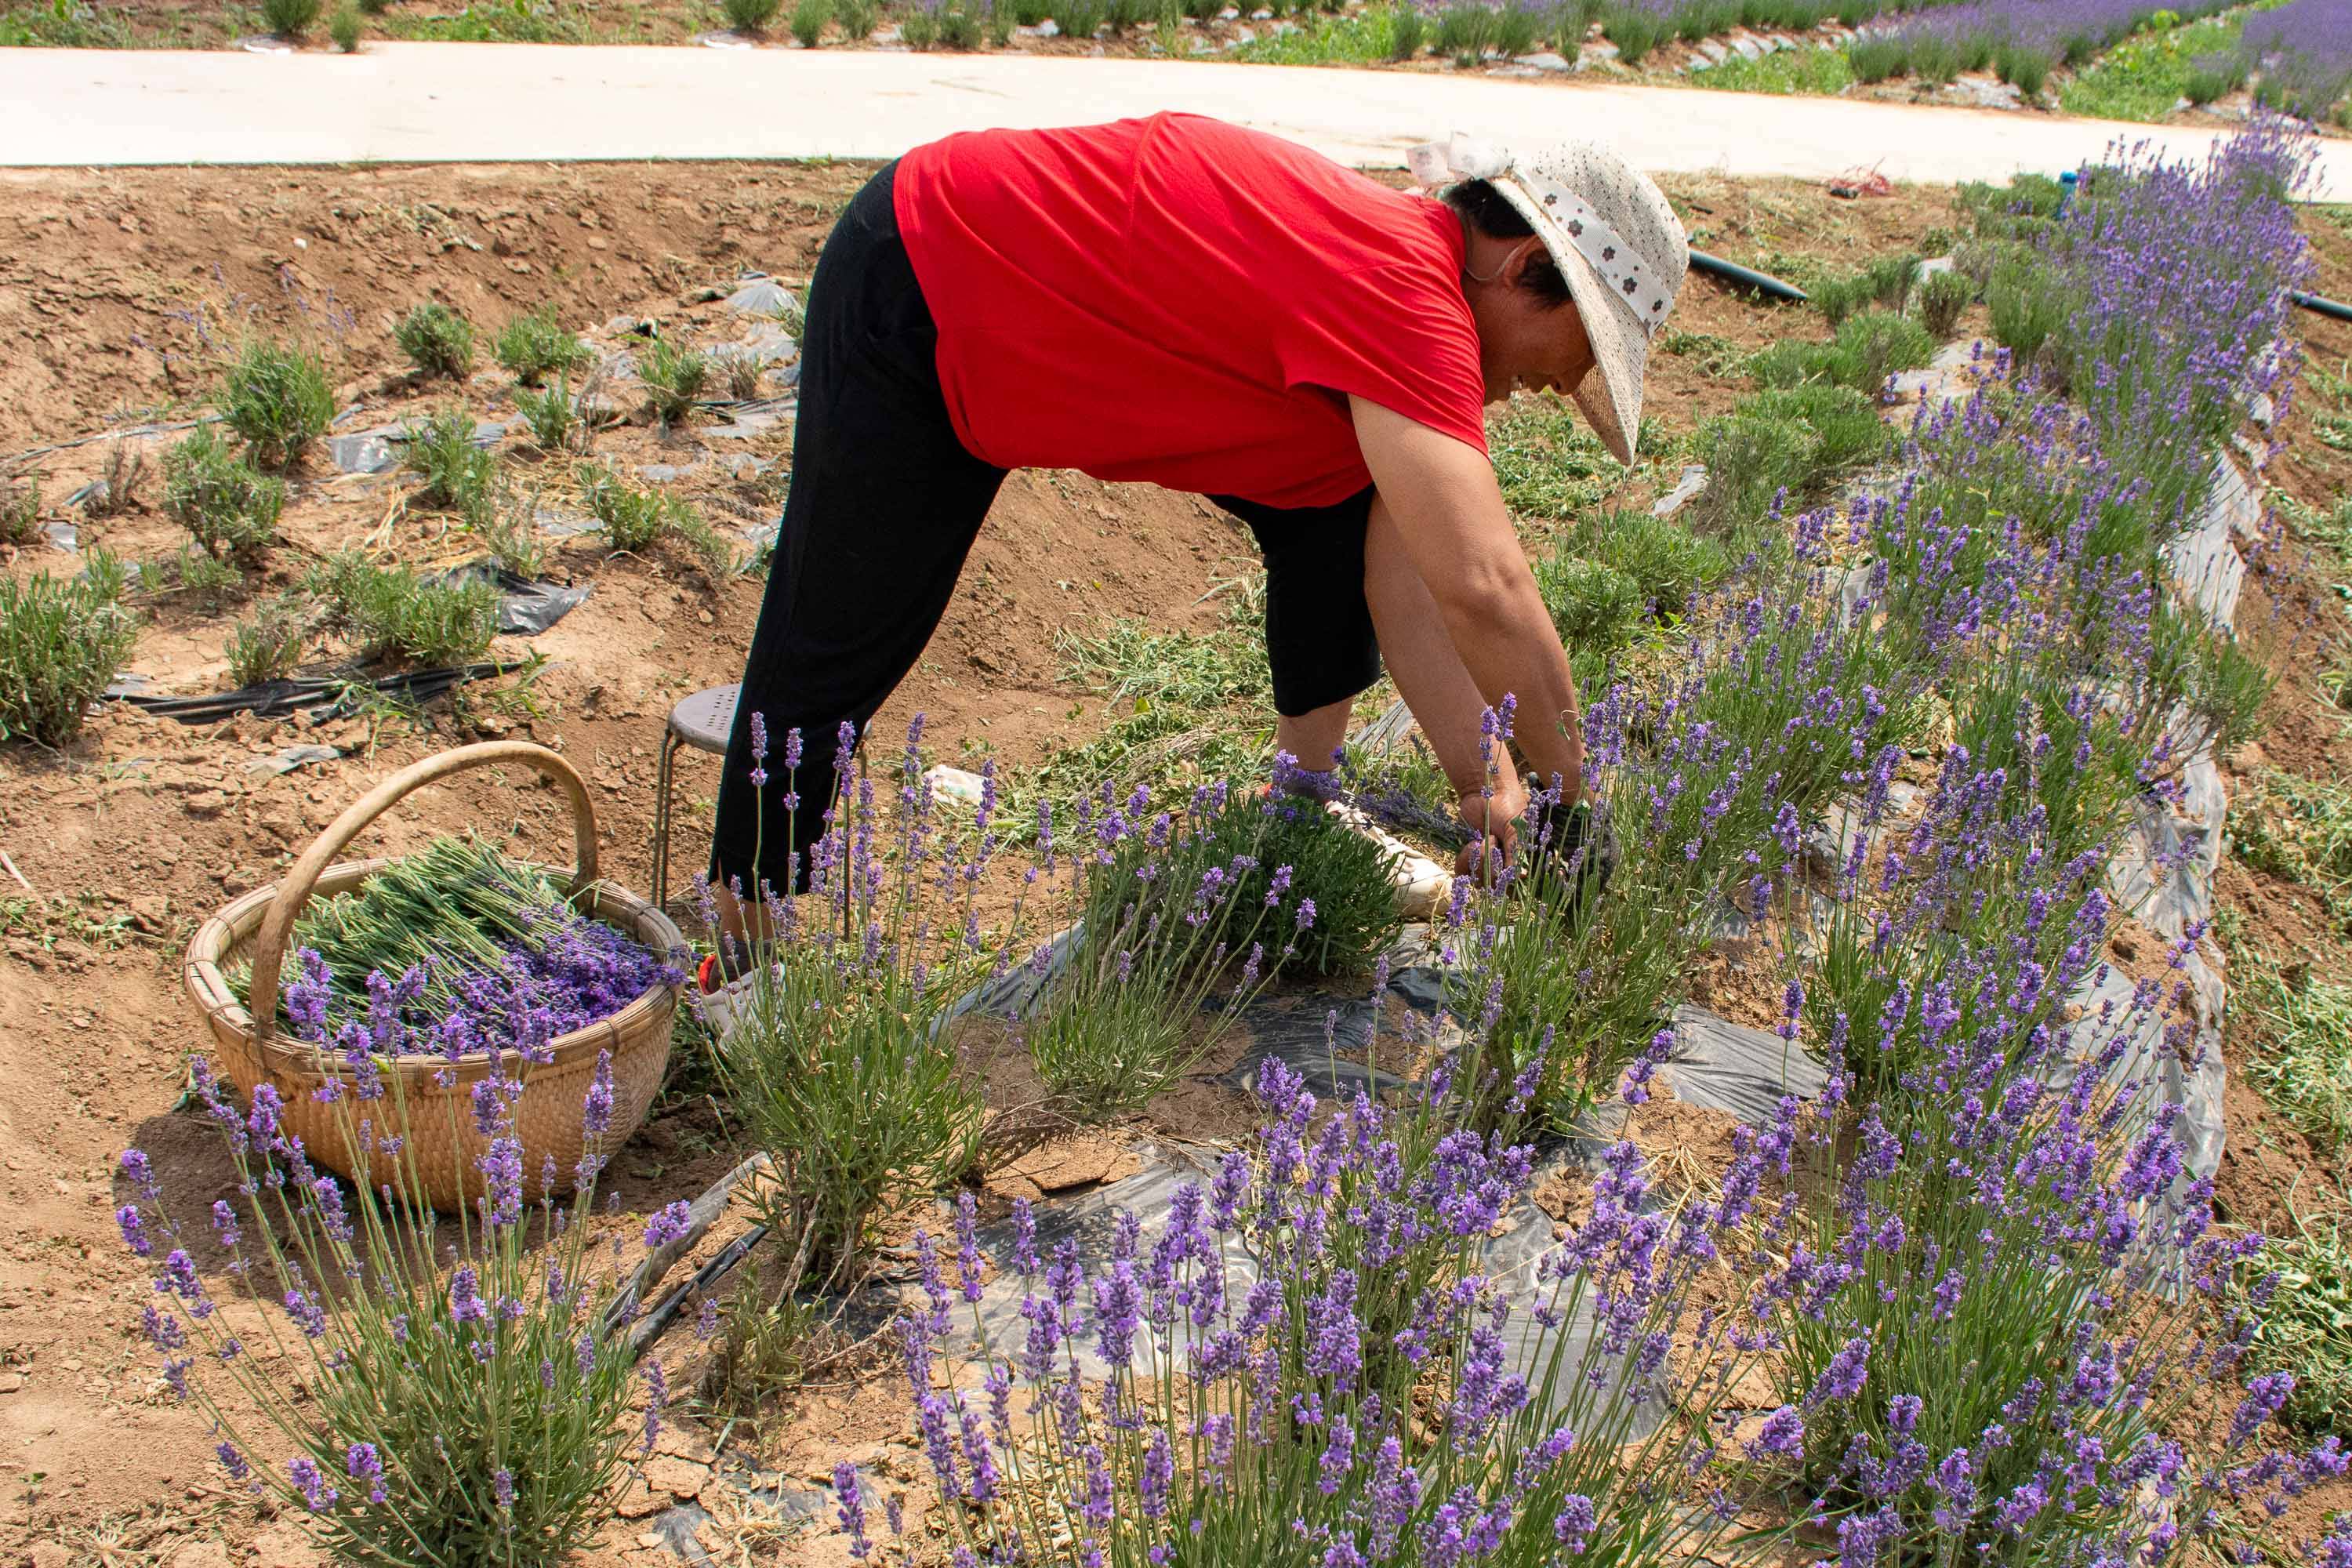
x=2071, y=30
x=2304, y=51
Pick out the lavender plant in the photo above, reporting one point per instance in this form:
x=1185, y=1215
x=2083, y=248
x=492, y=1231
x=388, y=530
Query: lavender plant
x=1170, y=931
x=836, y=1059
x=417, y=1391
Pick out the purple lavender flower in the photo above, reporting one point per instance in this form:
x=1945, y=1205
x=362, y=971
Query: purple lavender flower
x=318, y=1496
x=502, y=1489
x=657, y=1399
x=852, y=1512
x=366, y=1466
x=135, y=1230
x=672, y=1223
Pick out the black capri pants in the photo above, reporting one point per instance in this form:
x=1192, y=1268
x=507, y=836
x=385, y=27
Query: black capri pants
x=884, y=506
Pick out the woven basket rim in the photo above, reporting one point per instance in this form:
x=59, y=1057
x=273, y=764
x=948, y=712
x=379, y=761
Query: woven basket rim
x=238, y=919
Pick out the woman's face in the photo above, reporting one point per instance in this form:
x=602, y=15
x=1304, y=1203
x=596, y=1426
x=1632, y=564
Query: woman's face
x=1524, y=345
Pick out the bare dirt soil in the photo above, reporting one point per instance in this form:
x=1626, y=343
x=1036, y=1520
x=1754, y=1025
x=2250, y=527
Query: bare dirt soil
x=120, y=291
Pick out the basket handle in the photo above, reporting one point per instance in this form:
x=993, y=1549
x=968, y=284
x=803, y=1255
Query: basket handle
x=277, y=922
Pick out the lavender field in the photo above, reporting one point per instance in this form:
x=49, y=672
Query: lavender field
x=1808, y=1147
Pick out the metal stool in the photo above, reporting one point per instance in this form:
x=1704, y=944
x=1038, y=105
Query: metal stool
x=704, y=721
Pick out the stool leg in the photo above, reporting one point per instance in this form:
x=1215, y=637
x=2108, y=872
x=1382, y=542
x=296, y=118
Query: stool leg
x=661, y=821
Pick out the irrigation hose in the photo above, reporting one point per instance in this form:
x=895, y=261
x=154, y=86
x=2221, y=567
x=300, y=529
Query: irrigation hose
x=2336, y=309
x=1747, y=278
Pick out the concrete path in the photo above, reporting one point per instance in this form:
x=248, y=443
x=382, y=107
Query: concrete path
x=505, y=102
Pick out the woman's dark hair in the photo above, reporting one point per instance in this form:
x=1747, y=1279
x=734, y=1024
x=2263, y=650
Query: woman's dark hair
x=1488, y=211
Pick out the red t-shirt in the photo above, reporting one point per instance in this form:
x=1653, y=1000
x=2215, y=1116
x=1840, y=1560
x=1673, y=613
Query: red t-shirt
x=1181, y=302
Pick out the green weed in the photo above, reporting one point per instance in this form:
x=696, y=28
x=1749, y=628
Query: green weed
x=1363, y=37
x=217, y=495
x=20, y=510
x=2305, y=1327
x=62, y=25
x=62, y=640
x=2297, y=828
x=533, y=345
x=2144, y=75
x=1718, y=355
x=1547, y=461
x=437, y=339
x=343, y=29
x=1803, y=69
x=753, y=17
x=635, y=519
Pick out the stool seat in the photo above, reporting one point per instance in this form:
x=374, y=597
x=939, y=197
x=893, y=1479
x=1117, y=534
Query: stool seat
x=706, y=719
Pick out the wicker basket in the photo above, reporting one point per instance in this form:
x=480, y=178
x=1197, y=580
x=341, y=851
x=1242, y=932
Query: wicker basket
x=440, y=1129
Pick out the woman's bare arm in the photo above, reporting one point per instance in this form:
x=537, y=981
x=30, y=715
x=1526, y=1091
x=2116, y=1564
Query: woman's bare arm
x=1446, y=519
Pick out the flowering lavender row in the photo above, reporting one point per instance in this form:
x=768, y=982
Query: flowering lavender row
x=2304, y=51
x=2070, y=31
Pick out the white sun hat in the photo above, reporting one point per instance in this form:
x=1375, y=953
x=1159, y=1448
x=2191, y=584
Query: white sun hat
x=1614, y=238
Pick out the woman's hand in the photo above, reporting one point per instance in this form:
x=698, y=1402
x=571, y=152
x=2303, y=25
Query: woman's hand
x=1492, y=815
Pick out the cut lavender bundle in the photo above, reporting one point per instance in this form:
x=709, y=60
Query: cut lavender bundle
x=481, y=948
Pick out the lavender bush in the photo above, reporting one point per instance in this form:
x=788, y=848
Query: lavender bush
x=1181, y=910
x=414, y=1390
x=835, y=1059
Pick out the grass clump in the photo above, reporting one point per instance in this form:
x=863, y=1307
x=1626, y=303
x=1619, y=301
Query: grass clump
x=20, y=510
x=1596, y=607
x=1943, y=295
x=218, y=496
x=753, y=17
x=62, y=640
x=1788, y=439
x=809, y=18
x=1546, y=459
x=270, y=646
x=391, y=614
x=673, y=376
x=290, y=18
x=535, y=345
x=437, y=339
x=1868, y=348
x=2304, y=1067
x=858, y=19
x=276, y=395
x=456, y=474
x=343, y=29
